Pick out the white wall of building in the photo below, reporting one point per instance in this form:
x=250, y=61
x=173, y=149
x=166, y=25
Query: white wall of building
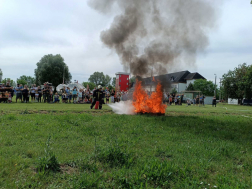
x=232, y=101
x=181, y=87
x=174, y=86
x=190, y=81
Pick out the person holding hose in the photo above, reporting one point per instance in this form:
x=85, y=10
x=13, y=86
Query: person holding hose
x=97, y=96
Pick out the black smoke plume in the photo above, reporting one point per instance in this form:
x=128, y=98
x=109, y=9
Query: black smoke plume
x=155, y=35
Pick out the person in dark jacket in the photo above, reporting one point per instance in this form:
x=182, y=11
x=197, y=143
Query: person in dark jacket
x=214, y=102
x=97, y=96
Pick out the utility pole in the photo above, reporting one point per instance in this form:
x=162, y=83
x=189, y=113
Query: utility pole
x=220, y=88
x=215, y=86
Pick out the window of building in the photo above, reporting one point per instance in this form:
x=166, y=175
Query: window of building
x=127, y=78
x=120, y=75
x=120, y=80
x=127, y=83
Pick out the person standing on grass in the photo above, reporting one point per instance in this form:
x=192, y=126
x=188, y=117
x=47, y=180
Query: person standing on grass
x=107, y=96
x=97, y=96
x=214, y=102
x=182, y=96
x=37, y=96
x=43, y=93
x=25, y=94
x=194, y=101
x=51, y=97
x=40, y=94
x=67, y=91
x=197, y=100
x=9, y=98
x=112, y=96
x=104, y=94
x=83, y=95
x=203, y=100
x=33, y=93
x=79, y=96
x=56, y=98
x=200, y=100
x=69, y=97
x=74, y=95
x=47, y=94
x=18, y=92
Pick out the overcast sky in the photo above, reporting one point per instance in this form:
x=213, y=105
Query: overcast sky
x=30, y=29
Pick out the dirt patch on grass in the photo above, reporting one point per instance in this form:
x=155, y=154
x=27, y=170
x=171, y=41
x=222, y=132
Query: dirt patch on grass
x=66, y=169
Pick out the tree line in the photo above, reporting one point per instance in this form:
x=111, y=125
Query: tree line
x=53, y=69
x=236, y=84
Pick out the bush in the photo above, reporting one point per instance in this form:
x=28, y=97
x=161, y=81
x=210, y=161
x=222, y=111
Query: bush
x=49, y=162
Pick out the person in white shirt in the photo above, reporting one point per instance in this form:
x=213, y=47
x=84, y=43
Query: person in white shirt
x=80, y=96
x=33, y=93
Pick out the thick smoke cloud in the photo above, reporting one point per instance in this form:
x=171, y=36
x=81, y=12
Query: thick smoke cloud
x=157, y=34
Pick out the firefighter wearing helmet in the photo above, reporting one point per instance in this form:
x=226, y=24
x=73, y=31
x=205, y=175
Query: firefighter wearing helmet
x=97, y=96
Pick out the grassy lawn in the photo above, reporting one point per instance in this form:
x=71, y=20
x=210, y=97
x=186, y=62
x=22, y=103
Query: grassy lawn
x=71, y=146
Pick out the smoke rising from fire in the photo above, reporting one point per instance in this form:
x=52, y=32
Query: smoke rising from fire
x=157, y=34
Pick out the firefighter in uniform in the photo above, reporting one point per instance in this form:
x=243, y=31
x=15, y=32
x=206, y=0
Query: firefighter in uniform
x=97, y=96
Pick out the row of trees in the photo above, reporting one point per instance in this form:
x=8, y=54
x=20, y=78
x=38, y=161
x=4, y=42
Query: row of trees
x=52, y=68
x=206, y=87
x=237, y=84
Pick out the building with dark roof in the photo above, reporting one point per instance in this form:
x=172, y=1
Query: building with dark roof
x=177, y=80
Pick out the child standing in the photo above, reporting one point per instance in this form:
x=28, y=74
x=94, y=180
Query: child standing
x=107, y=96
x=37, y=96
x=80, y=96
x=64, y=98
x=9, y=97
x=74, y=95
x=56, y=98
x=70, y=97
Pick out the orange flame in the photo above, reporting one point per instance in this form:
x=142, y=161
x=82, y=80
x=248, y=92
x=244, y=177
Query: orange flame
x=153, y=78
x=148, y=104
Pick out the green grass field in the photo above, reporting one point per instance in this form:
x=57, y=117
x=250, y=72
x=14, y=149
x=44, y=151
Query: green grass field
x=71, y=146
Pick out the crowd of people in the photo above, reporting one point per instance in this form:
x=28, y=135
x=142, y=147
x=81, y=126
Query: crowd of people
x=66, y=95
x=176, y=99
x=81, y=96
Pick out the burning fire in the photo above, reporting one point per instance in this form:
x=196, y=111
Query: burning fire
x=144, y=103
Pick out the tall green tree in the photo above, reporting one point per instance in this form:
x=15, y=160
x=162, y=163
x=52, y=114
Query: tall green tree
x=174, y=91
x=133, y=79
x=238, y=83
x=90, y=84
x=12, y=82
x=98, y=78
x=114, y=82
x=53, y=69
x=190, y=87
x=24, y=80
x=206, y=87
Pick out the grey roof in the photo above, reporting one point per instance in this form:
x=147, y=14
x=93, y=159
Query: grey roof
x=177, y=77
x=195, y=75
x=122, y=73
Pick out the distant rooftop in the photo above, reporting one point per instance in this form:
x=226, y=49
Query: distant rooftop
x=122, y=73
x=176, y=77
